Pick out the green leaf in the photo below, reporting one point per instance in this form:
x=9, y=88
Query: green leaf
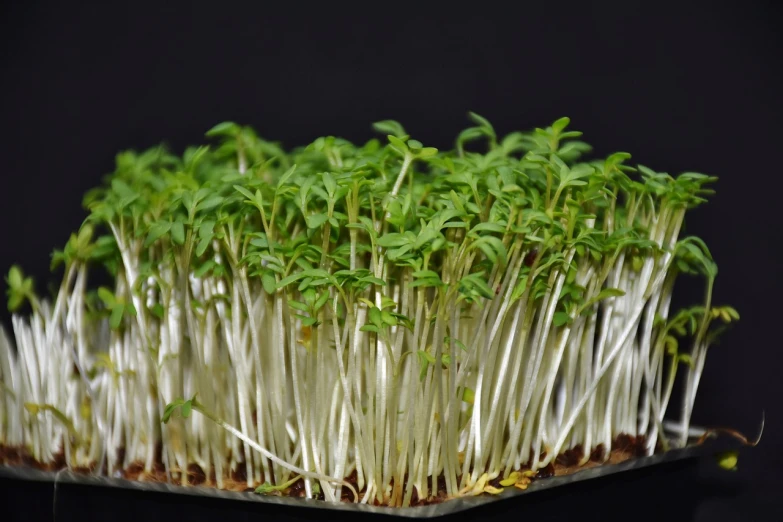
x=610, y=292
x=671, y=344
x=397, y=253
x=84, y=237
x=493, y=248
x=116, y=316
x=206, y=229
x=157, y=310
x=493, y=228
x=603, y=294
x=15, y=301
x=313, y=273
x=269, y=282
x=258, y=199
x=242, y=190
x=321, y=301
x=470, y=134
x=388, y=319
x=427, y=152
x=210, y=203
x=389, y=127
x=481, y=122
x=426, y=274
x=285, y=177
x=167, y=413
x=260, y=242
x=296, y=305
x=178, y=232
x=194, y=159
x=373, y=280
x=426, y=281
x=561, y=318
x=560, y=124
x=202, y=246
x=307, y=321
x=186, y=408
x=426, y=236
x=106, y=296
x=375, y=317
x=488, y=251
x=329, y=183
x=316, y=220
x=392, y=240
x=265, y=489
x=170, y=408
x=316, y=272
x=398, y=145
x=15, y=277
x=686, y=359
x=474, y=285
x=157, y=230
x=58, y=258
x=226, y=128
x=205, y=267
x=290, y=279
x=122, y=189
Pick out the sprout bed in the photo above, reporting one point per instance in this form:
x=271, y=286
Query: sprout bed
x=382, y=325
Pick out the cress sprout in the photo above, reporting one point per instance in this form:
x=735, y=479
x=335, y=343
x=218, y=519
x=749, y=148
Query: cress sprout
x=387, y=310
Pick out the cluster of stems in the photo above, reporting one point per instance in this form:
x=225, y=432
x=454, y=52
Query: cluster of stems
x=387, y=310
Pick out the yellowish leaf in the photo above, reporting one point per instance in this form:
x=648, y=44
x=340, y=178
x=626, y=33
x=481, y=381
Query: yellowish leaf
x=492, y=490
x=728, y=460
x=478, y=488
x=512, y=479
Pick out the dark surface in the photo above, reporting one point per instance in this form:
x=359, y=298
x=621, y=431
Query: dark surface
x=619, y=497
x=685, y=88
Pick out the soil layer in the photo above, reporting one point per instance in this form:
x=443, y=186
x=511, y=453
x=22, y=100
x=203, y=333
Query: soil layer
x=625, y=447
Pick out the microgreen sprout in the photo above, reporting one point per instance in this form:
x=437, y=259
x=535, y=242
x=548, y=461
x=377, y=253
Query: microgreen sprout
x=388, y=311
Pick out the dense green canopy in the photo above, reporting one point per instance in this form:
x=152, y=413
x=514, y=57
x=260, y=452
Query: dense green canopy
x=530, y=286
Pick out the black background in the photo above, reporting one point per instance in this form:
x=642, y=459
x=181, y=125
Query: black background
x=693, y=87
